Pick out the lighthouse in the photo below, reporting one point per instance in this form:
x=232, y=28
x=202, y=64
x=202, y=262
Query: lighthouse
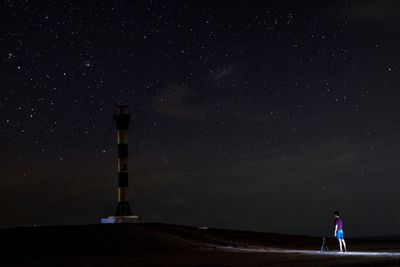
x=123, y=212
x=122, y=119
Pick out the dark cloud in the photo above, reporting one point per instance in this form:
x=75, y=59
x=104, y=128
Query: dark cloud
x=374, y=11
x=174, y=102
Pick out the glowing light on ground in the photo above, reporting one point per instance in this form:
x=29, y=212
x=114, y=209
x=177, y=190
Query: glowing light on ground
x=311, y=252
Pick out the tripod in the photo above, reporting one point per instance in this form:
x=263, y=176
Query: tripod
x=324, y=247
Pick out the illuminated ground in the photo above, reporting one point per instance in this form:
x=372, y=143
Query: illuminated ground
x=312, y=252
x=168, y=245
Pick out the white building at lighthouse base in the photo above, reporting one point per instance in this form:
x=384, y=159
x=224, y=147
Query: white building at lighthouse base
x=121, y=219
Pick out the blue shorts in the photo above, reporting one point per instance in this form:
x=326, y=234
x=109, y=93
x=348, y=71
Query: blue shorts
x=339, y=234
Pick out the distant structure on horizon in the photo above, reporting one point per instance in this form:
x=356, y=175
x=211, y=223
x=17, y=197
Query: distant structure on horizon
x=123, y=213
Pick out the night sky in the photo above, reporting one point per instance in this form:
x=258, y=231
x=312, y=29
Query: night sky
x=261, y=115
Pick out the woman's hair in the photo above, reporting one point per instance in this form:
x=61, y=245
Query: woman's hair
x=336, y=213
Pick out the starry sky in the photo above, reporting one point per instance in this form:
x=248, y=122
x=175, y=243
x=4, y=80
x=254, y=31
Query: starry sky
x=256, y=115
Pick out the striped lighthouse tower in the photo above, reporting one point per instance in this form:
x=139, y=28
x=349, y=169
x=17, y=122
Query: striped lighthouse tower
x=122, y=118
x=123, y=213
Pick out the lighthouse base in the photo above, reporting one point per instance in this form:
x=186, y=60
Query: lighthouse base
x=123, y=209
x=121, y=219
